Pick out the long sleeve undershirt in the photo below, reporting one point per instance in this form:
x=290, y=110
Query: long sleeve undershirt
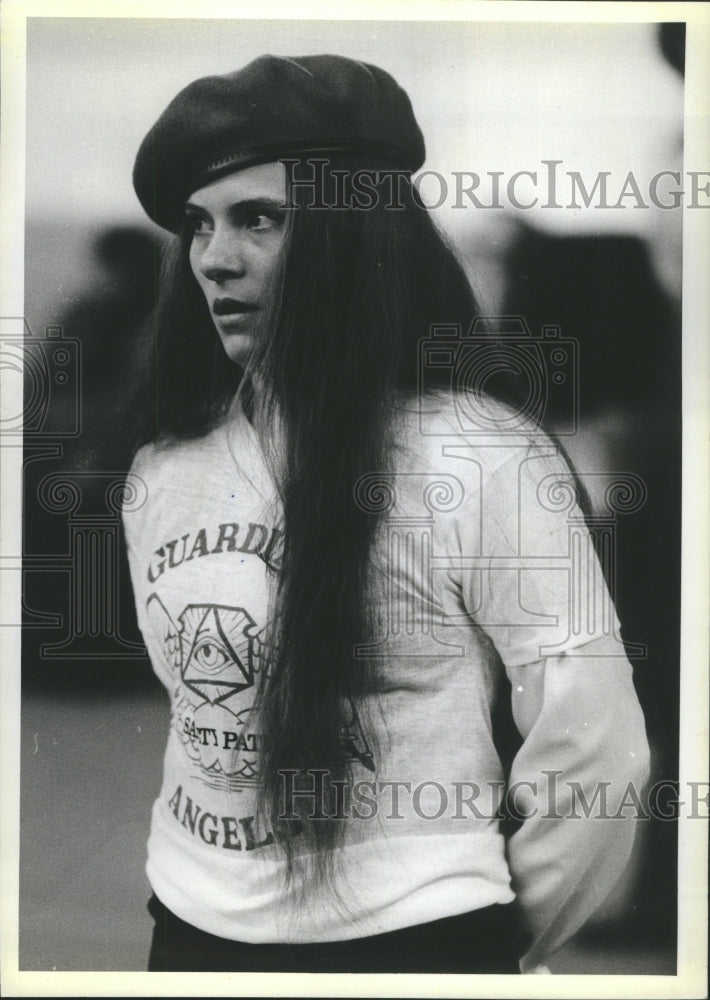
x=579, y=716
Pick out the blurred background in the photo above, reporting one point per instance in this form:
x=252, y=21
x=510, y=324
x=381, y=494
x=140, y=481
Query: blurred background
x=491, y=98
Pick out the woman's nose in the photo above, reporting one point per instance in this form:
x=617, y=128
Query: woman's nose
x=223, y=256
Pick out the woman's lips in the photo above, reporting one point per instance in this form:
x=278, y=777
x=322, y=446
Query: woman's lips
x=232, y=307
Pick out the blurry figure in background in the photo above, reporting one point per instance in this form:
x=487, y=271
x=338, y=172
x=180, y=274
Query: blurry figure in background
x=107, y=318
x=619, y=297
x=109, y=322
x=332, y=792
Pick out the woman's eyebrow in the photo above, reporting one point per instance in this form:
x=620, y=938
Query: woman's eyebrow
x=245, y=205
x=258, y=204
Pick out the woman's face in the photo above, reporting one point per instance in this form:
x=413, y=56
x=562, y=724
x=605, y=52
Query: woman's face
x=238, y=228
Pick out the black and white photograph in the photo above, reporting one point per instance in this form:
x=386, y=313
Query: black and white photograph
x=354, y=548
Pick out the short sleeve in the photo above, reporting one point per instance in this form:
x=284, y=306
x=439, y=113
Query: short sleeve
x=538, y=588
x=135, y=498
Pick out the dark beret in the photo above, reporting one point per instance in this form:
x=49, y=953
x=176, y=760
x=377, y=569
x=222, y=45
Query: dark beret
x=273, y=108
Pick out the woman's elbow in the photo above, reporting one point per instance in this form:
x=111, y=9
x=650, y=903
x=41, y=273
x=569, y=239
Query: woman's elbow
x=630, y=746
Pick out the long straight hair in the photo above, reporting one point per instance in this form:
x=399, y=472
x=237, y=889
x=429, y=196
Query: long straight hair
x=355, y=292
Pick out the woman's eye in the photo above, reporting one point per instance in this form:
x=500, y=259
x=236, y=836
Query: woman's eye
x=198, y=226
x=259, y=221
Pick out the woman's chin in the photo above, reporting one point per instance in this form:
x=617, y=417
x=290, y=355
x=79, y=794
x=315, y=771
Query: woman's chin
x=237, y=347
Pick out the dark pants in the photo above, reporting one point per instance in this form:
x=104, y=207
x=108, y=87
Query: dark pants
x=482, y=941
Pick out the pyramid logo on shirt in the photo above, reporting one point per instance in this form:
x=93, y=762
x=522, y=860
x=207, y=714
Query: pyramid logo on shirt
x=217, y=654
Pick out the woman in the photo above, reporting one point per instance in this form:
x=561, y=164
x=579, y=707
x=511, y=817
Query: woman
x=341, y=557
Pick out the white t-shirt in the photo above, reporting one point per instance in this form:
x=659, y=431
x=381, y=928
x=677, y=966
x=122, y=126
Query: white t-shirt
x=485, y=565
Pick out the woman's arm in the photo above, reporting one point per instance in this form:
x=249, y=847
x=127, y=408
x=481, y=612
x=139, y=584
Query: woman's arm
x=580, y=717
